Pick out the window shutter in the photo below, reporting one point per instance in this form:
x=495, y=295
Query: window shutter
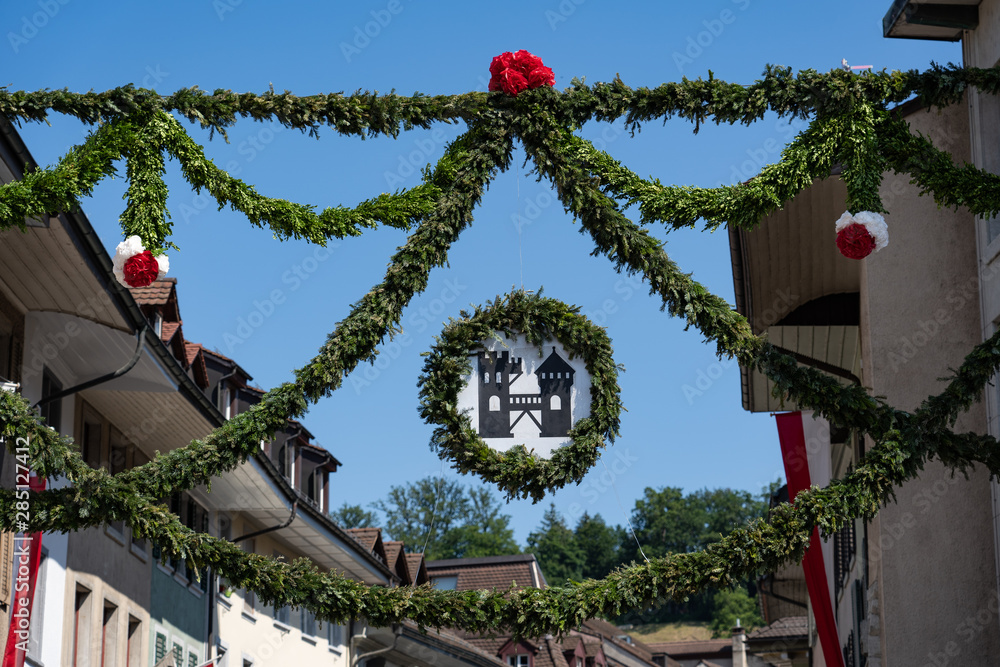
x=7, y=567
x=161, y=646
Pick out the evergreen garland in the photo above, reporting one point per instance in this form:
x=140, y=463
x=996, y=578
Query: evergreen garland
x=850, y=126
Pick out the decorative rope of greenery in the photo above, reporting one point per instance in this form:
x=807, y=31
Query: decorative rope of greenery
x=137, y=127
x=517, y=471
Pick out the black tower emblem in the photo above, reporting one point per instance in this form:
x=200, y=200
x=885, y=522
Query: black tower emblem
x=500, y=410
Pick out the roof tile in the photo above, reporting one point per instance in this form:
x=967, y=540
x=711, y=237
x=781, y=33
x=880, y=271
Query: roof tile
x=156, y=293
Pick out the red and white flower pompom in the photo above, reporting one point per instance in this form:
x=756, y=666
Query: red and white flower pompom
x=135, y=266
x=859, y=234
x=514, y=72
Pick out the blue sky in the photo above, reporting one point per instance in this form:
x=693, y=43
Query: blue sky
x=228, y=271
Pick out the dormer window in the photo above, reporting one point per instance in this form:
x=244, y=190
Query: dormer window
x=225, y=402
x=158, y=324
x=519, y=660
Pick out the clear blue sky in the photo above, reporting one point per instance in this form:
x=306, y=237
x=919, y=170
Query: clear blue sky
x=227, y=269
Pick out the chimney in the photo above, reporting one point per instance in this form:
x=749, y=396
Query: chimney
x=739, y=646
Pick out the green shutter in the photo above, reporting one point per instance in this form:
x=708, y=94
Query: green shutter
x=161, y=646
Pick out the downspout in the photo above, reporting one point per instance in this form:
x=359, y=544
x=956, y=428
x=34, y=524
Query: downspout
x=291, y=517
x=141, y=344
x=397, y=630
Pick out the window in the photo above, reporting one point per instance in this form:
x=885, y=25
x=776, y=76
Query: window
x=81, y=627
x=334, y=634
x=555, y=403
x=178, y=654
x=445, y=583
x=282, y=614
x=109, y=635
x=160, y=650
x=225, y=402
x=494, y=404
x=308, y=623
x=249, y=597
x=138, y=543
x=133, y=645
x=519, y=660
x=91, y=437
x=51, y=411
x=843, y=556
x=486, y=377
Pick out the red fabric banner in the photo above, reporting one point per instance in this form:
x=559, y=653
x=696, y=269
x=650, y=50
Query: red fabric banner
x=796, y=459
x=27, y=556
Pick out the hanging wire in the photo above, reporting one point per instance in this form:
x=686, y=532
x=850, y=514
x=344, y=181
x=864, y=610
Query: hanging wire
x=622, y=508
x=430, y=527
x=520, y=254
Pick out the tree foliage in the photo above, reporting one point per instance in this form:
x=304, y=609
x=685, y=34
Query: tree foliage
x=354, y=516
x=445, y=519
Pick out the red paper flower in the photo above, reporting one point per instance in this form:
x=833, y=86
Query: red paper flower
x=141, y=269
x=514, y=72
x=854, y=241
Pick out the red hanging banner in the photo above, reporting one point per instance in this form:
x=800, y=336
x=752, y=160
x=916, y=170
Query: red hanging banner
x=796, y=459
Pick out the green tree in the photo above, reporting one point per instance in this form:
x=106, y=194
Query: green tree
x=669, y=521
x=486, y=530
x=731, y=605
x=354, y=516
x=451, y=520
x=600, y=544
x=557, y=550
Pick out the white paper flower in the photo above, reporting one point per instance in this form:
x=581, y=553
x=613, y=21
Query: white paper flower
x=128, y=249
x=874, y=234
x=875, y=224
x=164, y=265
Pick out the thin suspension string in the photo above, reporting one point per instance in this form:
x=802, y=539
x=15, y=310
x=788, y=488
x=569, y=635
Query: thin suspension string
x=520, y=254
x=622, y=508
x=430, y=527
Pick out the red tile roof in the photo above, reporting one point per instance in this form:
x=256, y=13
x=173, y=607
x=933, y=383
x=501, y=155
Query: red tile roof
x=452, y=638
x=689, y=650
x=549, y=654
x=155, y=294
x=168, y=329
x=613, y=633
x=396, y=560
x=499, y=572
x=790, y=626
x=192, y=350
x=367, y=537
x=417, y=568
x=197, y=363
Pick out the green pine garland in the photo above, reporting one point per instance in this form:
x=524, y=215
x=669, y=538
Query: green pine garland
x=850, y=126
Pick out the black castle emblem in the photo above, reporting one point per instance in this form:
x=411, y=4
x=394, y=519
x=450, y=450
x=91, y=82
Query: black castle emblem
x=500, y=410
